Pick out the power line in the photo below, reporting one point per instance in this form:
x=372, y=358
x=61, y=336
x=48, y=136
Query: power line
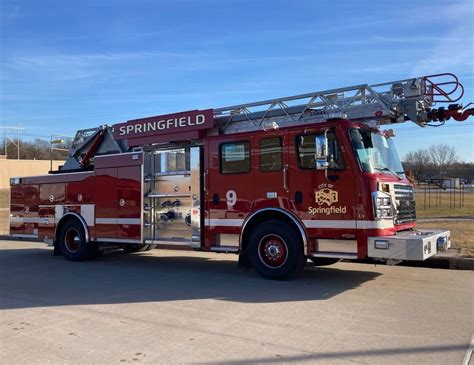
x=445, y=126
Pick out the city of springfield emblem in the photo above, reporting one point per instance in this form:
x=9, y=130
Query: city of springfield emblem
x=325, y=197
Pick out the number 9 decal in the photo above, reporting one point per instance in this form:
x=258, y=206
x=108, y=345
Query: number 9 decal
x=231, y=197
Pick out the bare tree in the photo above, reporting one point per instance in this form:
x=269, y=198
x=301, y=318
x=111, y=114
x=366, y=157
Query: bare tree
x=436, y=161
x=38, y=149
x=418, y=162
x=442, y=157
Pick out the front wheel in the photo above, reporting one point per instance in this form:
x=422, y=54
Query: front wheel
x=275, y=251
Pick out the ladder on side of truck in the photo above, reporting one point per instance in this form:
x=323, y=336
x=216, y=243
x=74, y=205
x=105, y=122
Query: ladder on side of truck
x=385, y=103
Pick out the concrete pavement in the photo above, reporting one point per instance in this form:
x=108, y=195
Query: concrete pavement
x=185, y=307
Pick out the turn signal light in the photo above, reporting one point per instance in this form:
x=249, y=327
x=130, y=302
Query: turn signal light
x=381, y=244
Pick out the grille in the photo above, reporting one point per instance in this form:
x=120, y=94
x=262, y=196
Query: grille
x=405, y=203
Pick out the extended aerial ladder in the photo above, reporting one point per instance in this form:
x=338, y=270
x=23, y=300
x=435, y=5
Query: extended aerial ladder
x=386, y=103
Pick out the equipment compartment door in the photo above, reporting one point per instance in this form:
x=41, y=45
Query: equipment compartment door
x=129, y=202
x=106, y=203
x=119, y=197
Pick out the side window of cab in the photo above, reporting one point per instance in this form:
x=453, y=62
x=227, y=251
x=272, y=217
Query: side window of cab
x=306, y=151
x=234, y=157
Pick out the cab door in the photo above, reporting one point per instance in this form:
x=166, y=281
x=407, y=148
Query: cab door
x=325, y=200
x=271, y=172
x=228, y=189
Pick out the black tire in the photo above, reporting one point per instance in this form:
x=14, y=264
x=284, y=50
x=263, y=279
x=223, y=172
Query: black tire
x=324, y=261
x=72, y=242
x=275, y=250
x=137, y=248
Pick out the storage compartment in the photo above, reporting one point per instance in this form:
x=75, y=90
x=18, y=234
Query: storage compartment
x=172, y=196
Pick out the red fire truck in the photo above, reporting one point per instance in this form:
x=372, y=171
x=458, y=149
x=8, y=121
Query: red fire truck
x=276, y=181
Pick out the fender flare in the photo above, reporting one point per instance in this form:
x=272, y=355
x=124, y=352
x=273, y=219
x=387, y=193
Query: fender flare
x=77, y=216
x=295, y=220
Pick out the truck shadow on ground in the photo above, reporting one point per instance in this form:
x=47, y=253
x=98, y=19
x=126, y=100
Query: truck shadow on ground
x=34, y=278
x=376, y=356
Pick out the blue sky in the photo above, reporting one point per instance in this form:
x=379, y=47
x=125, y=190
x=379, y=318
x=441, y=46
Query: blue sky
x=67, y=65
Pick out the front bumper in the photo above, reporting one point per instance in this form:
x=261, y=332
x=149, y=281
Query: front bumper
x=416, y=245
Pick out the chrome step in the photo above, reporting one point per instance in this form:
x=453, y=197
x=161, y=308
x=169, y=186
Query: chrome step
x=226, y=249
x=169, y=242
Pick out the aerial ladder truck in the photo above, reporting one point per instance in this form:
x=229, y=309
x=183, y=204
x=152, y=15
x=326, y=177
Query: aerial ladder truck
x=278, y=181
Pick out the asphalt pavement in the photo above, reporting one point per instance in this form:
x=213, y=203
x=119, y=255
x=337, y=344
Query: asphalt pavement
x=171, y=307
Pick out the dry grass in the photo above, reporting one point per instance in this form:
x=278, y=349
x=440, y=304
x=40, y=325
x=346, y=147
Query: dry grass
x=462, y=234
x=4, y=203
x=4, y=198
x=442, y=208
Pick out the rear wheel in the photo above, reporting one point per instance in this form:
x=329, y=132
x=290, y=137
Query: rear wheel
x=275, y=251
x=72, y=242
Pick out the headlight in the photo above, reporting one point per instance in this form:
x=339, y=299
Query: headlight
x=382, y=205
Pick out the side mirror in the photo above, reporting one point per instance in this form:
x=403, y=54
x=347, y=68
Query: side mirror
x=321, y=146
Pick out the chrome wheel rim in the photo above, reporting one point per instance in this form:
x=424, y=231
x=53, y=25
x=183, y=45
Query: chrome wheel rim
x=273, y=251
x=72, y=240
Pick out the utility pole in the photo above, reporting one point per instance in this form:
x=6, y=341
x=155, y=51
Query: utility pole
x=18, y=140
x=5, y=138
x=56, y=139
x=9, y=129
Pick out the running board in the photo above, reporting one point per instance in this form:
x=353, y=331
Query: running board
x=339, y=255
x=226, y=249
x=169, y=243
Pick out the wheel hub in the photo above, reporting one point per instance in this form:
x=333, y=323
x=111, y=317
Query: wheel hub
x=72, y=240
x=273, y=251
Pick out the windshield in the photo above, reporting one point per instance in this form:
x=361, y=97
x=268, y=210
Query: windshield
x=375, y=152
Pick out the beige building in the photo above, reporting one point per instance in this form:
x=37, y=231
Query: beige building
x=19, y=168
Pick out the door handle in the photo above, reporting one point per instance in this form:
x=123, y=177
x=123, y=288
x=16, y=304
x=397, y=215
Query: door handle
x=204, y=178
x=285, y=178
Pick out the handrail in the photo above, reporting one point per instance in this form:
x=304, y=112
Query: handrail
x=434, y=89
